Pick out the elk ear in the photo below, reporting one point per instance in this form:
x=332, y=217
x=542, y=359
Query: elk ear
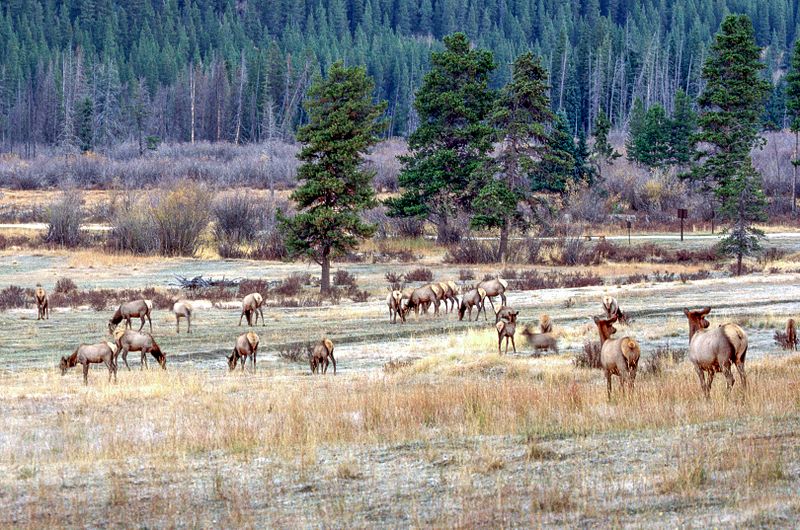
x=686, y=311
x=706, y=310
x=596, y=319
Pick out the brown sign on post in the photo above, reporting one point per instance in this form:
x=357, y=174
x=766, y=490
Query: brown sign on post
x=628, y=223
x=683, y=213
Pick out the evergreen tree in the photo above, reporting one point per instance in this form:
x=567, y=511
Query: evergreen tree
x=85, y=125
x=335, y=187
x=557, y=166
x=602, y=147
x=453, y=139
x=793, y=108
x=636, y=131
x=683, y=127
x=731, y=106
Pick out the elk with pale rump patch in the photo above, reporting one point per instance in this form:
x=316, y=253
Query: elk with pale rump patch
x=546, y=324
x=246, y=344
x=133, y=309
x=319, y=357
x=612, y=309
x=449, y=295
x=496, y=287
x=715, y=350
x=42, y=303
x=182, y=309
x=87, y=354
x=422, y=298
x=251, y=304
x=130, y=340
x=394, y=301
x=473, y=298
x=618, y=357
x=506, y=330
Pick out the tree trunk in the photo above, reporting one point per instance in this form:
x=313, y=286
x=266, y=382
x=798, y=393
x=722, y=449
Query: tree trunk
x=794, y=173
x=442, y=231
x=503, y=249
x=739, y=264
x=325, y=279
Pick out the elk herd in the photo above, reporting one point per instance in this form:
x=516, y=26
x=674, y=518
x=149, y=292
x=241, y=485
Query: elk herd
x=711, y=350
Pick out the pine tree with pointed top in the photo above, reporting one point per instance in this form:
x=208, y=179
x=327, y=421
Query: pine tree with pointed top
x=793, y=110
x=335, y=187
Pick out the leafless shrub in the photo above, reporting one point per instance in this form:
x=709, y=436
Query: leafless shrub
x=782, y=340
x=470, y=252
x=343, y=278
x=386, y=253
x=181, y=215
x=589, y=357
x=296, y=352
x=663, y=357
x=133, y=229
x=64, y=218
x=466, y=274
x=291, y=286
x=420, y=274
x=13, y=297
x=394, y=279
x=237, y=217
x=65, y=285
x=395, y=365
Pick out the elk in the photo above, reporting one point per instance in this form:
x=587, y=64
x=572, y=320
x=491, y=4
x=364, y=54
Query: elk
x=319, y=355
x=791, y=335
x=182, y=309
x=422, y=298
x=42, y=303
x=502, y=313
x=130, y=340
x=246, y=344
x=449, y=294
x=611, y=307
x=440, y=294
x=715, y=350
x=505, y=330
x=541, y=341
x=496, y=287
x=618, y=357
x=251, y=304
x=394, y=301
x=87, y=354
x=473, y=298
x=545, y=324
x=134, y=309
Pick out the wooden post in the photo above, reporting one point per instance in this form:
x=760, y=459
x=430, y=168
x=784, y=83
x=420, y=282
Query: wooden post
x=682, y=214
x=629, y=231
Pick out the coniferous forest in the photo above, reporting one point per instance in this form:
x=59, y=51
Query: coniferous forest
x=88, y=74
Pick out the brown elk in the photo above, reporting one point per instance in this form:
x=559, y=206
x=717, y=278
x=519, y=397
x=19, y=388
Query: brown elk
x=87, y=354
x=496, y=287
x=791, y=335
x=422, y=298
x=506, y=330
x=546, y=324
x=715, y=350
x=182, y=309
x=42, y=303
x=251, y=305
x=133, y=309
x=612, y=309
x=502, y=314
x=319, y=355
x=449, y=295
x=473, y=298
x=246, y=344
x=130, y=340
x=618, y=357
x=394, y=301
x=541, y=341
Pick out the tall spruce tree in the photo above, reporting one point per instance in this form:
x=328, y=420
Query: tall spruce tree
x=335, y=187
x=683, y=127
x=557, y=166
x=731, y=106
x=85, y=125
x=602, y=147
x=453, y=139
x=521, y=115
x=793, y=108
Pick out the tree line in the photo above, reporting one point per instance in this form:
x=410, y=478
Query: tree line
x=78, y=74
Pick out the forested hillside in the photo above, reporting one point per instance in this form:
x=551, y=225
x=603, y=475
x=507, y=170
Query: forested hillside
x=91, y=73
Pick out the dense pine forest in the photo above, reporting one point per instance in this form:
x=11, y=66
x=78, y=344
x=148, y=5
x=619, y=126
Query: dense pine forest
x=78, y=74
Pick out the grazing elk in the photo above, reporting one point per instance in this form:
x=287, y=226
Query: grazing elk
x=473, y=298
x=182, y=309
x=715, y=350
x=546, y=324
x=42, y=303
x=128, y=310
x=87, y=354
x=130, y=340
x=319, y=355
x=394, y=301
x=618, y=357
x=502, y=313
x=449, y=295
x=612, y=309
x=496, y=287
x=506, y=329
x=422, y=298
x=791, y=335
x=541, y=341
x=246, y=344
x=251, y=305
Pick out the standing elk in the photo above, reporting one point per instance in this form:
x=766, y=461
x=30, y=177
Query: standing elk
x=449, y=295
x=791, y=335
x=130, y=340
x=715, y=350
x=182, y=309
x=42, y=303
x=246, y=344
x=546, y=324
x=618, y=357
x=473, y=298
x=319, y=355
x=87, y=354
x=506, y=329
x=394, y=301
x=128, y=310
x=502, y=314
x=251, y=305
x=541, y=341
x=422, y=298
x=496, y=287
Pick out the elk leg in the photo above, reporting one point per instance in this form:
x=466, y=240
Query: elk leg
x=726, y=371
x=86, y=373
x=142, y=326
x=148, y=321
x=143, y=364
x=608, y=384
x=254, y=361
x=333, y=359
x=240, y=318
x=503, y=298
x=125, y=358
x=177, y=324
x=499, y=342
x=742, y=374
x=513, y=344
x=188, y=323
x=262, y=316
x=702, y=377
